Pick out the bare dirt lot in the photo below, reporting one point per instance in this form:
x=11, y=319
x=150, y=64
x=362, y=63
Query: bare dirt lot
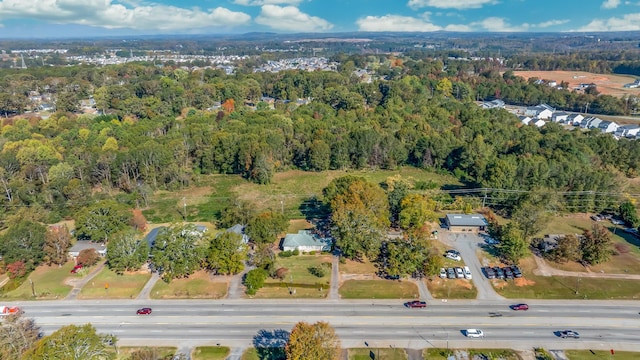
x=608, y=84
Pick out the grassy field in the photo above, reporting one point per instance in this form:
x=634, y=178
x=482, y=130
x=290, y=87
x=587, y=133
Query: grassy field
x=357, y=267
x=387, y=354
x=558, y=287
x=608, y=84
x=601, y=355
x=48, y=283
x=125, y=352
x=451, y=288
x=210, y=353
x=305, y=284
x=197, y=286
x=379, y=289
x=125, y=286
x=442, y=354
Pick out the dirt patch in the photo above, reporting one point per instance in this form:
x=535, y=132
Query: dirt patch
x=523, y=282
x=608, y=84
x=464, y=284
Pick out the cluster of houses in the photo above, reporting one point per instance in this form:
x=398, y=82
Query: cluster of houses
x=300, y=63
x=540, y=115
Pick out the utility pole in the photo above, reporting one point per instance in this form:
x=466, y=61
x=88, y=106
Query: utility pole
x=184, y=208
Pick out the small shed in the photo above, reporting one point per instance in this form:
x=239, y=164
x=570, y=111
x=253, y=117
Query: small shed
x=305, y=241
x=466, y=222
x=80, y=245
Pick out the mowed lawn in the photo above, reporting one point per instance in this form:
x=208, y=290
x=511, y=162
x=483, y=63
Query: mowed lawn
x=165, y=352
x=601, y=355
x=109, y=285
x=299, y=279
x=443, y=354
x=196, y=286
x=375, y=353
x=532, y=286
x=451, y=288
x=210, y=353
x=48, y=283
x=379, y=289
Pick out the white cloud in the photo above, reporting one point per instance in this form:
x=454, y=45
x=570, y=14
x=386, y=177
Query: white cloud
x=290, y=18
x=629, y=22
x=111, y=15
x=450, y=4
x=266, y=2
x=551, y=23
x=611, y=4
x=497, y=24
x=396, y=23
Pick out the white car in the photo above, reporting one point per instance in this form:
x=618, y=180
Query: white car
x=467, y=273
x=474, y=333
x=453, y=256
x=459, y=273
x=443, y=273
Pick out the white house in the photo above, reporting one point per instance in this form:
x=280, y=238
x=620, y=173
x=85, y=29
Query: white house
x=559, y=117
x=608, y=126
x=524, y=119
x=574, y=119
x=590, y=122
x=538, y=122
x=305, y=241
x=627, y=131
x=80, y=245
x=542, y=111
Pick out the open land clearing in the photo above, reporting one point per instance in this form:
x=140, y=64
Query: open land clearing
x=607, y=84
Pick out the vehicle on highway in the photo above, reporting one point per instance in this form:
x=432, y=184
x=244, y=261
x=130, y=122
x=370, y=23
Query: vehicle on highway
x=7, y=310
x=451, y=274
x=443, y=273
x=77, y=268
x=519, y=307
x=459, y=273
x=144, y=311
x=568, y=334
x=416, y=304
x=474, y=333
x=467, y=273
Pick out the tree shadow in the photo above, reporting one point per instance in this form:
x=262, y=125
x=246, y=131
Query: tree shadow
x=313, y=208
x=270, y=344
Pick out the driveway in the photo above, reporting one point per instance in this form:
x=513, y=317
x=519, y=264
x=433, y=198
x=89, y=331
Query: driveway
x=467, y=244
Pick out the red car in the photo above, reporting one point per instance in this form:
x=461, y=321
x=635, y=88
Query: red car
x=520, y=307
x=416, y=304
x=76, y=268
x=144, y=311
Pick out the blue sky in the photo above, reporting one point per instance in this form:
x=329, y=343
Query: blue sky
x=62, y=18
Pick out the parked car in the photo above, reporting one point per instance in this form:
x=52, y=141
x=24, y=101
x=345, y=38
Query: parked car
x=518, y=307
x=459, y=273
x=499, y=272
x=508, y=273
x=490, y=241
x=144, y=311
x=77, y=268
x=443, y=273
x=467, y=272
x=568, y=334
x=451, y=274
x=453, y=256
x=489, y=273
x=516, y=271
x=416, y=304
x=474, y=333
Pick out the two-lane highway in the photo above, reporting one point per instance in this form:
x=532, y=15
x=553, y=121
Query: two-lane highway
x=602, y=325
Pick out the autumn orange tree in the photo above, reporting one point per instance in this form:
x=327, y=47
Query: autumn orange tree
x=313, y=342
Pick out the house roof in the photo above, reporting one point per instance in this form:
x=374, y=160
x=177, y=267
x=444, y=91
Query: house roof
x=150, y=238
x=304, y=238
x=85, y=244
x=466, y=220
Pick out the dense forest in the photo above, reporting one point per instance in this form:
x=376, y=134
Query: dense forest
x=164, y=126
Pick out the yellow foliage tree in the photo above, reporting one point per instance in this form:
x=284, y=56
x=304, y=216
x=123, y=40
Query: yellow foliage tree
x=313, y=342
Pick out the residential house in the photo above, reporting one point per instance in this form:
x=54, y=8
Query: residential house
x=538, y=122
x=80, y=245
x=608, y=126
x=465, y=222
x=590, y=122
x=497, y=103
x=629, y=131
x=150, y=238
x=524, y=119
x=542, y=111
x=239, y=229
x=306, y=241
x=574, y=119
x=559, y=117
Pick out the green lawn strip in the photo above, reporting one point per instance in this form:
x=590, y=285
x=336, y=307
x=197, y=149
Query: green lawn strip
x=210, y=353
x=601, y=355
x=160, y=352
x=48, y=283
x=357, y=267
x=378, y=289
x=189, y=289
x=451, y=288
x=299, y=278
x=250, y=354
x=443, y=354
x=375, y=353
x=109, y=285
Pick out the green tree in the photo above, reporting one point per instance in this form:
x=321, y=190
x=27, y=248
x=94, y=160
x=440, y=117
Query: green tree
x=532, y=218
x=401, y=257
x=73, y=342
x=444, y=87
x=313, y=342
x=226, y=253
x=17, y=335
x=254, y=280
x=512, y=246
x=23, y=241
x=319, y=155
x=177, y=252
x=360, y=218
x=237, y=212
x=433, y=264
x=339, y=186
x=265, y=227
x=596, y=245
x=567, y=249
x=629, y=214
x=57, y=242
x=102, y=219
x=415, y=211
x=125, y=252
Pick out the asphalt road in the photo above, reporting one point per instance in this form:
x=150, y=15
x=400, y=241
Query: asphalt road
x=242, y=323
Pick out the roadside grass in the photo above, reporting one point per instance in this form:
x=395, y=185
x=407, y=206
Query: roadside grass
x=210, y=353
x=443, y=354
x=48, y=283
x=297, y=225
x=532, y=286
x=357, y=267
x=376, y=353
x=161, y=352
x=264, y=354
x=197, y=286
x=250, y=354
x=126, y=286
x=601, y=355
x=379, y=289
x=451, y=288
x=299, y=278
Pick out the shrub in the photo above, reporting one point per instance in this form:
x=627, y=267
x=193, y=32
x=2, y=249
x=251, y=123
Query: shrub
x=296, y=252
x=312, y=252
x=88, y=257
x=285, y=254
x=16, y=270
x=254, y=280
x=317, y=271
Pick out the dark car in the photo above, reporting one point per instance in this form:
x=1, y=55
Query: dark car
x=499, y=273
x=568, y=334
x=451, y=274
x=144, y=311
x=519, y=307
x=77, y=268
x=489, y=273
x=516, y=271
x=508, y=273
x=416, y=304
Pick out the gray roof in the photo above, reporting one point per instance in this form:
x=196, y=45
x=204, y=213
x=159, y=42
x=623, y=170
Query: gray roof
x=153, y=234
x=85, y=244
x=304, y=238
x=466, y=220
x=239, y=229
